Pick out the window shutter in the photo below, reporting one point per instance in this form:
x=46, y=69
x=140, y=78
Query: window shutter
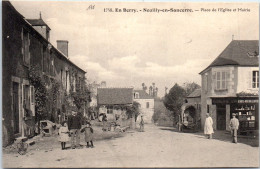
x=32, y=99
x=214, y=80
x=23, y=88
x=22, y=35
x=228, y=80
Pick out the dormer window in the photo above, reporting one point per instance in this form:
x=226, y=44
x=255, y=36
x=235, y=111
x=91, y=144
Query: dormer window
x=252, y=54
x=136, y=95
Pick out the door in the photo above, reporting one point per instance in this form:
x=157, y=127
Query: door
x=221, y=117
x=15, y=106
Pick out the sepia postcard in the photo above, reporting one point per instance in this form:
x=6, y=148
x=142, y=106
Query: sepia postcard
x=130, y=84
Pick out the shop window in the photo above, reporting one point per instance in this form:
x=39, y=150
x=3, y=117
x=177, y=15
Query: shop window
x=255, y=82
x=25, y=47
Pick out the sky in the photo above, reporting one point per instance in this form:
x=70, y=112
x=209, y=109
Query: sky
x=126, y=49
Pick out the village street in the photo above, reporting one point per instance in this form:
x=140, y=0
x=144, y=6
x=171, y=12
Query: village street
x=156, y=147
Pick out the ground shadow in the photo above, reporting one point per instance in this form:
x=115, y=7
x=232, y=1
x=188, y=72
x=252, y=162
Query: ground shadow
x=219, y=135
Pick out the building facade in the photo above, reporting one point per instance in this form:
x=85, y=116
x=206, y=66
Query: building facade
x=146, y=105
x=230, y=84
x=114, y=101
x=191, y=111
x=34, y=73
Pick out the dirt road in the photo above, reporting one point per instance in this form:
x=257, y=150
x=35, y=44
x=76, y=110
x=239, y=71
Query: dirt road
x=156, y=147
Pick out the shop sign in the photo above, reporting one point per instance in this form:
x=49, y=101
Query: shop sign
x=232, y=100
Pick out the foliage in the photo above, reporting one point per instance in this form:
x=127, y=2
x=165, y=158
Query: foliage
x=190, y=87
x=159, y=110
x=41, y=95
x=81, y=95
x=53, y=93
x=174, y=100
x=133, y=110
x=144, y=86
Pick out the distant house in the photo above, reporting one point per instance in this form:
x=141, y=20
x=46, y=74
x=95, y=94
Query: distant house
x=230, y=84
x=146, y=104
x=112, y=101
x=93, y=88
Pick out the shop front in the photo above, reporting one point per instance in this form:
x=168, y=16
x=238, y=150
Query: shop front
x=246, y=110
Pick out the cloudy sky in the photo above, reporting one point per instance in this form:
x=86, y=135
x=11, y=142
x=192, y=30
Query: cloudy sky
x=127, y=49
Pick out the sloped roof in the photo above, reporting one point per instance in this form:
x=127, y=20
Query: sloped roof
x=37, y=22
x=195, y=93
x=238, y=52
x=143, y=94
x=112, y=96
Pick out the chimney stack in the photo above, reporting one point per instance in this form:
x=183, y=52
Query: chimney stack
x=103, y=84
x=62, y=46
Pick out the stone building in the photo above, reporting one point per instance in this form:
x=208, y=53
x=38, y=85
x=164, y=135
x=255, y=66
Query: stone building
x=33, y=68
x=146, y=105
x=113, y=101
x=191, y=111
x=230, y=84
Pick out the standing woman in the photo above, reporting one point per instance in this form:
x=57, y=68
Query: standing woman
x=208, y=129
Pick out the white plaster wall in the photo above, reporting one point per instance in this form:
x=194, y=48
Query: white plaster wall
x=146, y=112
x=41, y=30
x=245, y=79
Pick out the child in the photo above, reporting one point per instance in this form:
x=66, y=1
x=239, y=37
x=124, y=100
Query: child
x=64, y=134
x=88, y=134
x=142, y=124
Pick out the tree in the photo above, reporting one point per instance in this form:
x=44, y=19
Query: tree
x=144, y=86
x=81, y=95
x=190, y=87
x=174, y=100
x=133, y=110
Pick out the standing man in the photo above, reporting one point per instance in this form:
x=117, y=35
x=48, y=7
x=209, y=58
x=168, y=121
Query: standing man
x=74, y=126
x=208, y=127
x=142, y=124
x=234, y=124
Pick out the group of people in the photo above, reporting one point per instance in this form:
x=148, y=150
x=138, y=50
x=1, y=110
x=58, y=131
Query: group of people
x=71, y=130
x=234, y=124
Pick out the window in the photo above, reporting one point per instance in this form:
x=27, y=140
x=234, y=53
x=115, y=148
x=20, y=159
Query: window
x=147, y=104
x=52, y=65
x=255, y=82
x=136, y=95
x=44, y=59
x=25, y=47
x=61, y=75
x=110, y=110
x=67, y=80
x=221, y=80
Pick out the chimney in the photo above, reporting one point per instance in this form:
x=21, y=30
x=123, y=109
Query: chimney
x=62, y=46
x=103, y=84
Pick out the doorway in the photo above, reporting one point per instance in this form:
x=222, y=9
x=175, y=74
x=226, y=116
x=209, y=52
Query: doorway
x=221, y=117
